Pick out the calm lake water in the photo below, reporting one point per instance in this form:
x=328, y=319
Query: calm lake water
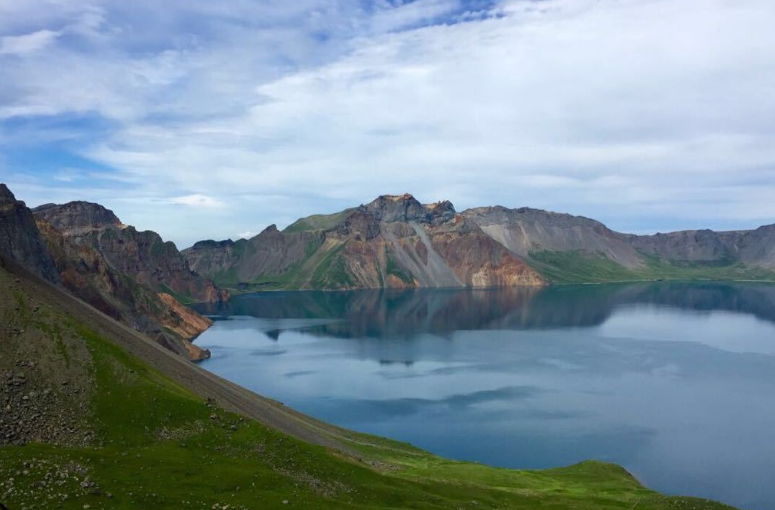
x=675, y=382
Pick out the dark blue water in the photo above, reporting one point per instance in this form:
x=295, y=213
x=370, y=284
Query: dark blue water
x=676, y=382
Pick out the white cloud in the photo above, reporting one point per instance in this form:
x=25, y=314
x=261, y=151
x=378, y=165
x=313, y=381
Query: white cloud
x=197, y=201
x=247, y=235
x=28, y=43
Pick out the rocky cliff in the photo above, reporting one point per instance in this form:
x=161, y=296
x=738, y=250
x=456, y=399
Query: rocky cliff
x=144, y=256
x=85, y=272
x=574, y=248
x=392, y=242
x=60, y=258
x=20, y=240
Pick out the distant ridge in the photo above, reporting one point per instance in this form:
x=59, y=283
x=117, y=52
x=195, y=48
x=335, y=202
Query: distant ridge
x=395, y=241
x=392, y=242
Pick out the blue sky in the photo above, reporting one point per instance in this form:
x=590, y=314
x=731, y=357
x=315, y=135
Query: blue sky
x=203, y=119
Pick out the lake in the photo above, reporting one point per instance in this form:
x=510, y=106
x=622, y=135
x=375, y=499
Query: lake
x=674, y=381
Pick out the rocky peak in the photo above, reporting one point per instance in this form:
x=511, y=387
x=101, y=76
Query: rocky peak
x=20, y=240
x=441, y=212
x=361, y=225
x=5, y=195
x=395, y=208
x=391, y=208
x=77, y=217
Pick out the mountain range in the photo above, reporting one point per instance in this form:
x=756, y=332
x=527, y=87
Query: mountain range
x=396, y=242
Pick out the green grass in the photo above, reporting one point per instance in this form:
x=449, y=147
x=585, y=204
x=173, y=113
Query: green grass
x=318, y=221
x=331, y=272
x=394, y=269
x=160, y=446
x=583, y=267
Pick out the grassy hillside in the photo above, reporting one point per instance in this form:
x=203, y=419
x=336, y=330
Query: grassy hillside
x=90, y=422
x=318, y=221
x=583, y=267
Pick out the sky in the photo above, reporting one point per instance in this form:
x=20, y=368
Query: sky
x=212, y=120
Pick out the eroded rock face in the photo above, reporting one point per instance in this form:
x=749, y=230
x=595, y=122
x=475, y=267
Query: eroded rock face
x=76, y=218
x=390, y=208
x=84, y=271
x=392, y=242
x=526, y=230
x=187, y=324
x=144, y=256
x=270, y=253
x=20, y=240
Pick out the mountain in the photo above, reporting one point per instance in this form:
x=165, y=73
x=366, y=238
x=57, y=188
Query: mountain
x=95, y=415
x=142, y=255
x=85, y=272
x=575, y=249
x=394, y=242
x=80, y=268
x=20, y=239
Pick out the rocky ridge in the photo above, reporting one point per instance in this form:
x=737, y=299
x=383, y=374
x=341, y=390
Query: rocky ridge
x=393, y=241
x=143, y=255
x=528, y=231
x=83, y=270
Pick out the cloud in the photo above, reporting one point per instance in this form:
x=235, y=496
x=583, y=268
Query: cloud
x=247, y=234
x=197, y=201
x=646, y=114
x=25, y=44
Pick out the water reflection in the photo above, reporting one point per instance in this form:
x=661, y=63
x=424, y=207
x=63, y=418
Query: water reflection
x=673, y=381
x=388, y=313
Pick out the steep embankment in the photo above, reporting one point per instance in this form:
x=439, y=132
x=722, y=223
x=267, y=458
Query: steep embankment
x=567, y=248
x=392, y=242
x=112, y=420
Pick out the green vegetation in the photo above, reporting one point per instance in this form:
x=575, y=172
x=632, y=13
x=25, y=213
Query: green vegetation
x=318, y=221
x=584, y=267
x=331, y=272
x=180, y=298
x=316, y=263
x=394, y=269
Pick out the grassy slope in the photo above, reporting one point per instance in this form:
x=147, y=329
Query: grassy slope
x=581, y=267
x=318, y=221
x=158, y=445
x=322, y=268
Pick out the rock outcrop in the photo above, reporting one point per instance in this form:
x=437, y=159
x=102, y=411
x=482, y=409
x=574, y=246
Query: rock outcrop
x=62, y=258
x=85, y=272
x=533, y=233
x=392, y=242
x=144, y=256
x=20, y=240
